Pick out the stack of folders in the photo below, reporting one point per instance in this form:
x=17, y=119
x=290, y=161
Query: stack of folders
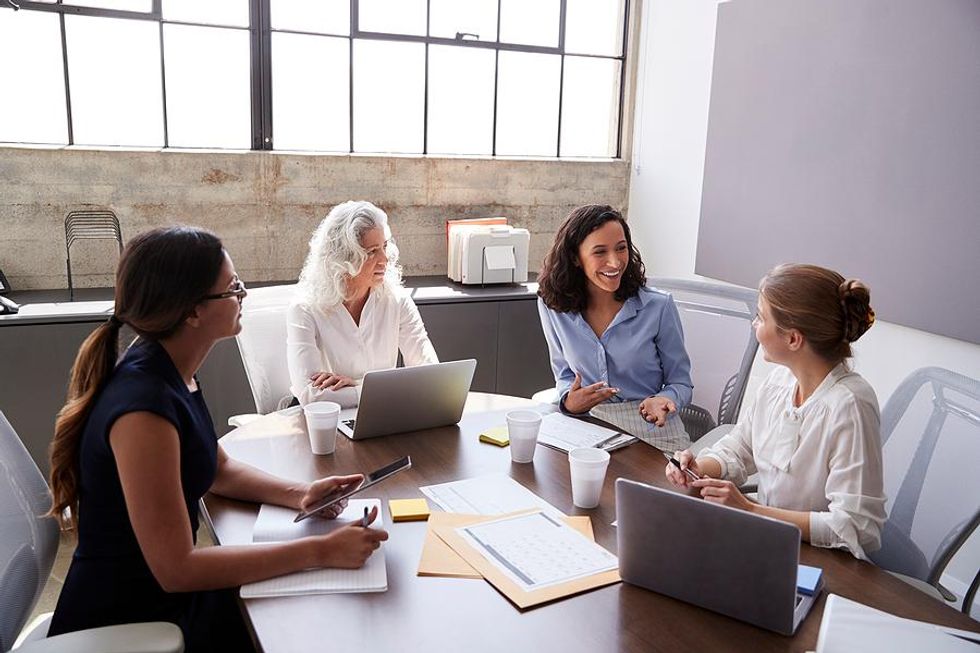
x=565, y=433
x=275, y=524
x=486, y=250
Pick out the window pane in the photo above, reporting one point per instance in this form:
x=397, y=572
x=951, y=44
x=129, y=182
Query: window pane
x=590, y=107
x=527, y=104
x=310, y=93
x=128, y=5
x=392, y=16
x=330, y=16
x=214, y=12
x=594, y=27
x=449, y=17
x=460, y=100
x=114, y=81
x=34, y=109
x=389, y=82
x=530, y=22
x=208, y=103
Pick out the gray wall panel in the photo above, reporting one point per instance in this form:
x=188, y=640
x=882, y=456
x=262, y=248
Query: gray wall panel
x=847, y=133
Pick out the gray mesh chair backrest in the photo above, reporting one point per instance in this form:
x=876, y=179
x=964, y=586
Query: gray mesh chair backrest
x=720, y=340
x=28, y=541
x=930, y=432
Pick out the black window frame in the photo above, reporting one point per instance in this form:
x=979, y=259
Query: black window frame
x=260, y=42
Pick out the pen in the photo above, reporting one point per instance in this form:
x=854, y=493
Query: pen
x=673, y=461
x=364, y=520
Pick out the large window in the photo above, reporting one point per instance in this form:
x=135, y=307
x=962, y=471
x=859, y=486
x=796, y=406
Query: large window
x=468, y=77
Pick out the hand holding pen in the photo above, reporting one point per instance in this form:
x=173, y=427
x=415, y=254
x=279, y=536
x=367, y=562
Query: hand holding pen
x=682, y=469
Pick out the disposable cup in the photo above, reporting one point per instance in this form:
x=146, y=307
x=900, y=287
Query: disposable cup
x=522, y=429
x=321, y=423
x=588, y=467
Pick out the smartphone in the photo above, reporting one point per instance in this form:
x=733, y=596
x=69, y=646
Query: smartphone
x=345, y=491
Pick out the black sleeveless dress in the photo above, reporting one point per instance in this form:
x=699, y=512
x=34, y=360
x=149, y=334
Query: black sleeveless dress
x=109, y=581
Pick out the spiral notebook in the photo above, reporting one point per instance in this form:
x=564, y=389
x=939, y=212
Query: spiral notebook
x=275, y=524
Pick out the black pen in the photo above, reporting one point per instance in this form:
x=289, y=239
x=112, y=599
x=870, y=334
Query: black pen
x=673, y=461
x=364, y=520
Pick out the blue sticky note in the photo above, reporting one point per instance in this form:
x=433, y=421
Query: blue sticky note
x=808, y=579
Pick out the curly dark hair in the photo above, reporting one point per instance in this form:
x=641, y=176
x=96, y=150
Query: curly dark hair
x=561, y=283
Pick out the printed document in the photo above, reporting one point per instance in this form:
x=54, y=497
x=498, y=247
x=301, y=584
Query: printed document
x=487, y=495
x=565, y=433
x=536, y=551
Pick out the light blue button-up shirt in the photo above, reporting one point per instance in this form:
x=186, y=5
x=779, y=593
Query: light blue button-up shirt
x=641, y=352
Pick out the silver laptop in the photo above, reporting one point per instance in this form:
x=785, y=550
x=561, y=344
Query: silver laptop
x=409, y=399
x=726, y=560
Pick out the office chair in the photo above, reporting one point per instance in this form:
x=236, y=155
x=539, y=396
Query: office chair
x=720, y=341
x=262, y=344
x=28, y=545
x=89, y=225
x=930, y=429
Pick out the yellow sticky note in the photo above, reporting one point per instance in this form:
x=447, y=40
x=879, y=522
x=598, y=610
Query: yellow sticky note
x=497, y=435
x=408, y=509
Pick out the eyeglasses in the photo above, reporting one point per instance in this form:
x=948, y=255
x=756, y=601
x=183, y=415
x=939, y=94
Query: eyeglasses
x=237, y=290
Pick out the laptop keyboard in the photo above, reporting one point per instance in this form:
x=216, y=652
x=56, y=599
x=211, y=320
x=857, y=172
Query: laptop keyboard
x=349, y=423
x=799, y=599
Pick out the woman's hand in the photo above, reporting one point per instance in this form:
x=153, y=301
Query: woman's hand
x=676, y=475
x=328, y=381
x=317, y=490
x=656, y=409
x=582, y=399
x=350, y=547
x=723, y=492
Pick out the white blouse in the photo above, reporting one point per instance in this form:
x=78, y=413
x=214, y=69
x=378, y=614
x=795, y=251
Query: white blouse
x=320, y=340
x=823, y=457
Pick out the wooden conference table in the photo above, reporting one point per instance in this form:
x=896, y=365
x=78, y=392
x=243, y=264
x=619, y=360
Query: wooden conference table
x=445, y=614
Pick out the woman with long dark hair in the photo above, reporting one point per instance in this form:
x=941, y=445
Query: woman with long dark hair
x=609, y=335
x=134, y=450
x=813, y=434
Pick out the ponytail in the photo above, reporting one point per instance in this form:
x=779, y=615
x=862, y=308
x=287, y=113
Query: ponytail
x=95, y=361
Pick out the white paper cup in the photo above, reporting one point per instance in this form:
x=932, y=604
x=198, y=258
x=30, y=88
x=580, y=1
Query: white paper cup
x=588, y=466
x=522, y=429
x=321, y=423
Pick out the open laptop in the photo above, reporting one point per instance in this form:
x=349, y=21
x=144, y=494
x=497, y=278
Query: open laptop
x=726, y=560
x=409, y=399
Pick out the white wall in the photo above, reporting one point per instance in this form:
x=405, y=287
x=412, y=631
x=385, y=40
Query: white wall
x=673, y=89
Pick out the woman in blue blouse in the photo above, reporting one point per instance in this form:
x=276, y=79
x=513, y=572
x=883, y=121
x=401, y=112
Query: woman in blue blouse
x=609, y=335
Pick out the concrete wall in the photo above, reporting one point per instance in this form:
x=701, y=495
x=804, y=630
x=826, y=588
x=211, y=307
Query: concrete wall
x=265, y=205
x=671, y=122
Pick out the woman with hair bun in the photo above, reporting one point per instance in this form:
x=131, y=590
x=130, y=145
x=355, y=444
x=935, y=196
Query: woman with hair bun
x=813, y=434
x=353, y=315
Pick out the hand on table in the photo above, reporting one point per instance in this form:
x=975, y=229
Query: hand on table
x=317, y=490
x=656, y=409
x=582, y=399
x=329, y=381
x=724, y=492
x=350, y=547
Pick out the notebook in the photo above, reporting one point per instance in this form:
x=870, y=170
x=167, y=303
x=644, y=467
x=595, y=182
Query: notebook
x=275, y=524
x=625, y=415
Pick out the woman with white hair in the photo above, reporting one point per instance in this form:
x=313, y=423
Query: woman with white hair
x=352, y=314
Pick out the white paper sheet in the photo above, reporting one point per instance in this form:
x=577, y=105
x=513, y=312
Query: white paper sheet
x=487, y=495
x=851, y=626
x=537, y=551
x=566, y=433
x=275, y=524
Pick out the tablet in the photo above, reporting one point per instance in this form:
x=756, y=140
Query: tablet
x=345, y=491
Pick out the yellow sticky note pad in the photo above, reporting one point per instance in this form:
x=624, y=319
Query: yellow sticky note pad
x=497, y=435
x=408, y=509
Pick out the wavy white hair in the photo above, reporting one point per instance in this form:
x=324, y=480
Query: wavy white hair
x=336, y=254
